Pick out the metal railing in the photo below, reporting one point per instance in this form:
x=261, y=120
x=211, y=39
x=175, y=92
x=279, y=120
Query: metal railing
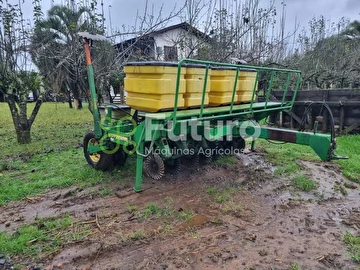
x=286, y=76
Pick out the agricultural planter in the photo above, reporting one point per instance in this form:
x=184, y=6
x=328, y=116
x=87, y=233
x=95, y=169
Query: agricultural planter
x=191, y=111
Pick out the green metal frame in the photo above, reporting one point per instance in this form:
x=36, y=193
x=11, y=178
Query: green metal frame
x=91, y=80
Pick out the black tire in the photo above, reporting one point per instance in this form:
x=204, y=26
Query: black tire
x=100, y=161
x=120, y=157
x=239, y=145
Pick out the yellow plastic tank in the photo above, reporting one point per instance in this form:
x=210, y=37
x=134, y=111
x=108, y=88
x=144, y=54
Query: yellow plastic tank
x=245, y=85
x=222, y=81
x=195, y=79
x=151, y=86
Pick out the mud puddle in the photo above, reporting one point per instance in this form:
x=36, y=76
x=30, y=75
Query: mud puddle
x=255, y=161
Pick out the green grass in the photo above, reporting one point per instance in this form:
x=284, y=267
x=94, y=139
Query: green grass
x=304, y=183
x=349, y=146
x=295, y=266
x=210, y=190
x=287, y=169
x=100, y=191
x=166, y=211
x=133, y=236
x=131, y=208
x=56, y=127
x=285, y=156
x=59, y=169
x=137, y=235
x=353, y=244
x=156, y=211
x=222, y=195
x=54, y=158
x=185, y=215
x=45, y=236
x=225, y=160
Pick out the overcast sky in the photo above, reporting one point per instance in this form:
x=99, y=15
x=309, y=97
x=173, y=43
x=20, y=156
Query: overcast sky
x=123, y=12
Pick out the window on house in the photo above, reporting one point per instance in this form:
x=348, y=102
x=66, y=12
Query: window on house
x=170, y=53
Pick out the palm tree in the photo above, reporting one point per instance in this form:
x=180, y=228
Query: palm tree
x=57, y=50
x=352, y=31
x=355, y=27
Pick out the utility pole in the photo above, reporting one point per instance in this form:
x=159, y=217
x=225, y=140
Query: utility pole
x=102, y=15
x=111, y=32
x=70, y=4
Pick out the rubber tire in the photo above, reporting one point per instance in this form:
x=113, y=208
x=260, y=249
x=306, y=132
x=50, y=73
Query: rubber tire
x=120, y=157
x=239, y=144
x=105, y=161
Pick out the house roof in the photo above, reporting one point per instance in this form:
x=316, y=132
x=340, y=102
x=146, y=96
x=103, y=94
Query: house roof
x=184, y=25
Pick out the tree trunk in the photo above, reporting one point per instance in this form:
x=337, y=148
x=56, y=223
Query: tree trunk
x=21, y=123
x=78, y=103
x=76, y=94
x=23, y=127
x=23, y=136
x=122, y=95
x=70, y=103
x=110, y=96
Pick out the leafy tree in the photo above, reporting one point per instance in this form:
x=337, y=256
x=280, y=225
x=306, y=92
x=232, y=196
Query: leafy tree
x=353, y=30
x=16, y=80
x=328, y=55
x=235, y=30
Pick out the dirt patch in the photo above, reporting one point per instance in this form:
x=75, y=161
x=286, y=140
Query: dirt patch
x=216, y=217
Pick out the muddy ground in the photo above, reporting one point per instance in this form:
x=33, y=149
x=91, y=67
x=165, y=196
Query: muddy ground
x=243, y=217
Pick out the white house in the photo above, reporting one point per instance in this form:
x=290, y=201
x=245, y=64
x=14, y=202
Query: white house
x=168, y=44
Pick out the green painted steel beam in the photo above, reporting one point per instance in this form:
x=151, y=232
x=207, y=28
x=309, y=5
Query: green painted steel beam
x=139, y=168
x=320, y=143
x=92, y=149
x=91, y=80
x=217, y=110
x=95, y=110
